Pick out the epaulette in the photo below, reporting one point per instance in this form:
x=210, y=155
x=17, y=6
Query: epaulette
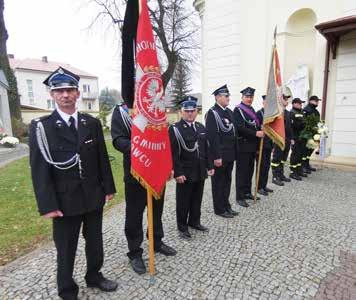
x=41, y=118
x=198, y=124
x=86, y=114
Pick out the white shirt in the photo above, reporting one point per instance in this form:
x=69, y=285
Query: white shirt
x=66, y=117
x=191, y=124
x=223, y=108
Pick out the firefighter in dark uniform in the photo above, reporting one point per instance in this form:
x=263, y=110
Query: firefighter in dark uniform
x=72, y=179
x=222, y=138
x=310, y=109
x=280, y=156
x=135, y=196
x=249, y=130
x=191, y=165
x=297, y=123
x=266, y=157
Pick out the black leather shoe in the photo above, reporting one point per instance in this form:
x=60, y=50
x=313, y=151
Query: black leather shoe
x=104, y=285
x=232, y=212
x=138, y=265
x=302, y=174
x=268, y=190
x=185, y=234
x=285, y=179
x=295, y=176
x=199, y=227
x=310, y=168
x=277, y=181
x=243, y=203
x=166, y=250
x=262, y=192
x=251, y=197
x=225, y=214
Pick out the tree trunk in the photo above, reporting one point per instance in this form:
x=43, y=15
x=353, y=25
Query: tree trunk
x=14, y=99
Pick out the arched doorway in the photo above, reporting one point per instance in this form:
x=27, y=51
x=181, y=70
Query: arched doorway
x=300, y=43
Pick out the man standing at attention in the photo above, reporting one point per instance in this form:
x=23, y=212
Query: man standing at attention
x=249, y=130
x=222, y=138
x=72, y=179
x=191, y=165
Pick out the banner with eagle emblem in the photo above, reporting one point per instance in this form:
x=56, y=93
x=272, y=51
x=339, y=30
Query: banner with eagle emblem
x=151, y=160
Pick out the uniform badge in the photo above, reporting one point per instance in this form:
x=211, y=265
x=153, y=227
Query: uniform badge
x=184, y=126
x=83, y=121
x=59, y=124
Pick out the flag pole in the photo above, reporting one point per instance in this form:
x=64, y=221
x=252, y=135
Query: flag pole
x=150, y=233
x=258, y=169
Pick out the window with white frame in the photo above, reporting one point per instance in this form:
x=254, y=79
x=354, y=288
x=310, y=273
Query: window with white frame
x=86, y=88
x=89, y=106
x=30, y=91
x=49, y=103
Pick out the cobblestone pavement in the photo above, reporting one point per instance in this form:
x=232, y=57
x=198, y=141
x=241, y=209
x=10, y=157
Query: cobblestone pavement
x=297, y=244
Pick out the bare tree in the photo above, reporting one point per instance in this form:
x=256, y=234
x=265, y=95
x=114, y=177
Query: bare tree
x=14, y=99
x=175, y=24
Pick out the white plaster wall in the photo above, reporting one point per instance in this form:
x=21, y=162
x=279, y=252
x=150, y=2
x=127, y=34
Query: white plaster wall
x=221, y=49
x=343, y=141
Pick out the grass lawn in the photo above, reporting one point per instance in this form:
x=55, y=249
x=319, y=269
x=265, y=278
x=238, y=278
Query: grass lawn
x=21, y=227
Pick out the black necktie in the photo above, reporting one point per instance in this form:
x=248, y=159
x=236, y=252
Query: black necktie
x=72, y=126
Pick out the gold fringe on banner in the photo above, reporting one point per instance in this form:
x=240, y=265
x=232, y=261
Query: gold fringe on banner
x=275, y=137
x=146, y=185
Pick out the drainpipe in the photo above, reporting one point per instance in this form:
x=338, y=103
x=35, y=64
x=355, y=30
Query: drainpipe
x=326, y=80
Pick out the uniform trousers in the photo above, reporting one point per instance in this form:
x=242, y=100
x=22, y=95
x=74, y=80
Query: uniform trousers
x=279, y=159
x=136, y=201
x=265, y=166
x=245, y=165
x=296, y=157
x=65, y=235
x=188, y=205
x=221, y=186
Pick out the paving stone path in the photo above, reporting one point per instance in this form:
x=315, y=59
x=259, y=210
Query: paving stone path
x=8, y=155
x=297, y=244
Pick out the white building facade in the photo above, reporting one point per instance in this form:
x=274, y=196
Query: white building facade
x=34, y=95
x=5, y=118
x=237, y=37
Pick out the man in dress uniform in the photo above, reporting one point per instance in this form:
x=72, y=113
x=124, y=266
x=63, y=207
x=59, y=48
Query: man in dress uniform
x=222, y=139
x=266, y=157
x=310, y=109
x=191, y=165
x=280, y=156
x=72, y=178
x=249, y=130
x=297, y=123
x=135, y=196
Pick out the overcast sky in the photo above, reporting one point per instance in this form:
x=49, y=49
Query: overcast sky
x=58, y=29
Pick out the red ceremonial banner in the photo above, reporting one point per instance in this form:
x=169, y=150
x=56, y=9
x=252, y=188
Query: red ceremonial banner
x=273, y=121
x=151, y=160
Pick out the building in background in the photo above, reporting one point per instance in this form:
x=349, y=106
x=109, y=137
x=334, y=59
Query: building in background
x=5, y=118
x=237, y=37
x=34, y=95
